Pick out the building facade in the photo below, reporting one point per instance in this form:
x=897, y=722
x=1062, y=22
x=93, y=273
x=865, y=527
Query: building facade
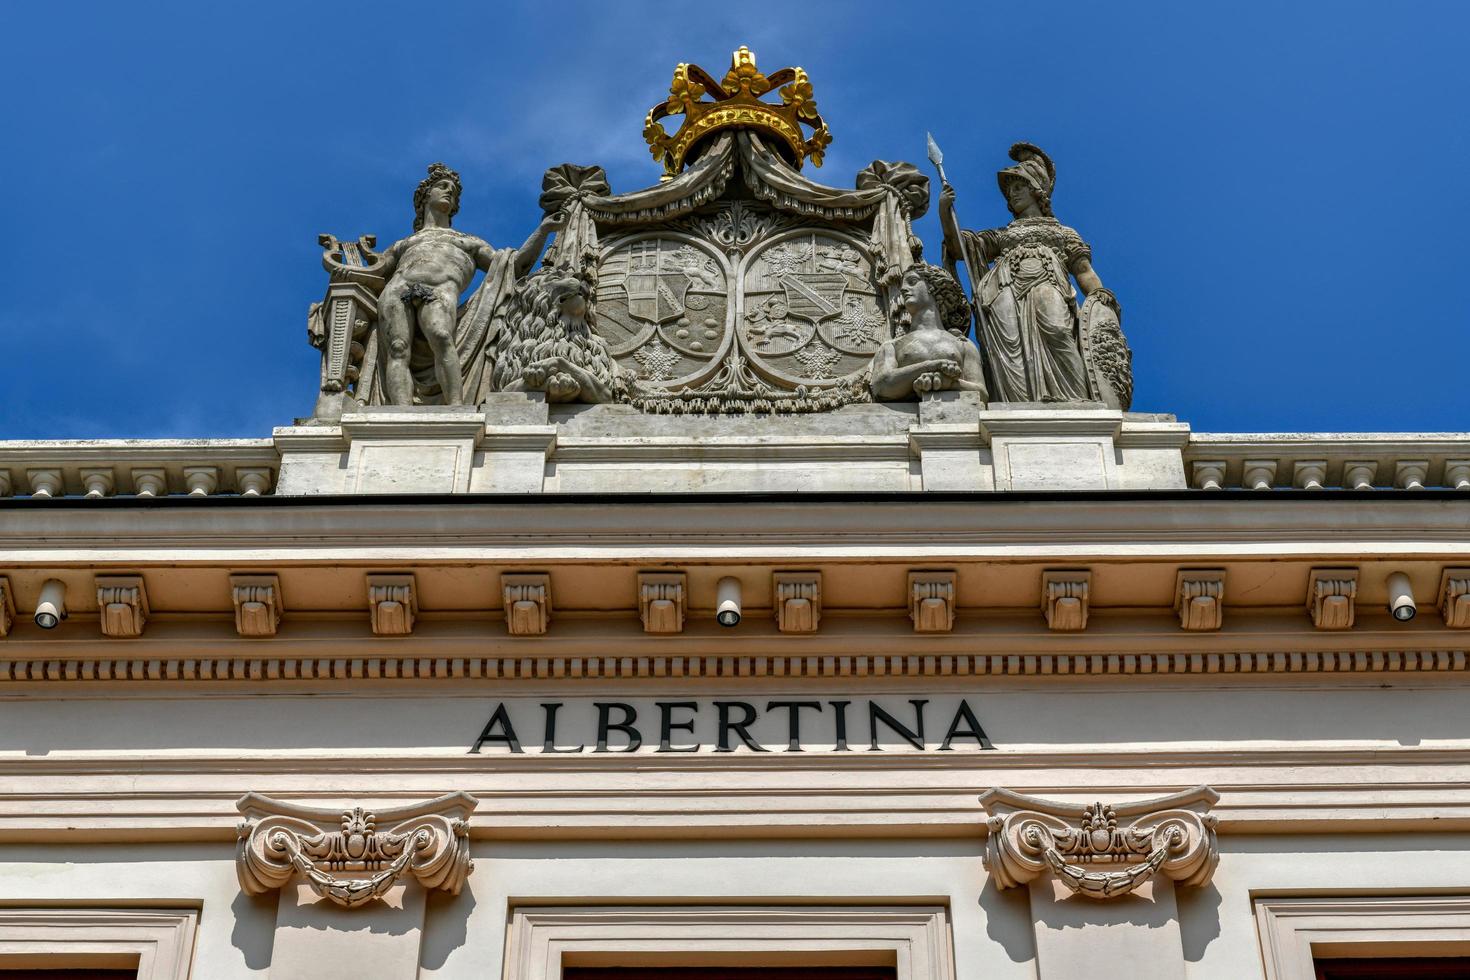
x=704, y=601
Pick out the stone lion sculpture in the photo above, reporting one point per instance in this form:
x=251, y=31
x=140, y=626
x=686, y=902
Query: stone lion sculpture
x=545, y=340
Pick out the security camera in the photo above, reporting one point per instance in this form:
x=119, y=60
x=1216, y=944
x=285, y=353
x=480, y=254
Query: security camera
x=1401, y=597
x=51, y=610
x=727, y=601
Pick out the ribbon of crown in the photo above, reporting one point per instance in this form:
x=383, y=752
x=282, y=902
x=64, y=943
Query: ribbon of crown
x=735, y=102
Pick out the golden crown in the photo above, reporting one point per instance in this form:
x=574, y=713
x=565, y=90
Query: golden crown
x=737, y=104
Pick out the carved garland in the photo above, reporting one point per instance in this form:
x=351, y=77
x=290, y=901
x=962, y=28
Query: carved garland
x=355, y=863
x=1096, y=851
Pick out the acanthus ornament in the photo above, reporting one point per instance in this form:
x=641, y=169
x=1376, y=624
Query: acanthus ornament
x=356, y=862
x=1100, y=851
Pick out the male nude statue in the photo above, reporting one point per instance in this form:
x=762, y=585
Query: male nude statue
x=427, y=272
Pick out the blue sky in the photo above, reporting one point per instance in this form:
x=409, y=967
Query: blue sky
x=1278, y=193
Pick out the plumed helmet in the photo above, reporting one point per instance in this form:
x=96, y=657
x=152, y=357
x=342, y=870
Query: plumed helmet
x=1035, y=168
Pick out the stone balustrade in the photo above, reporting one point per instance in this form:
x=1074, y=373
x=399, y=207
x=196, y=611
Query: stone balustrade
x=945, y=446
x=96, y=468
x=1333, y=460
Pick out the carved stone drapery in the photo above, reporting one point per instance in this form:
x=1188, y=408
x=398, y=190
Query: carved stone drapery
x=1101, y=851
x=344, y=856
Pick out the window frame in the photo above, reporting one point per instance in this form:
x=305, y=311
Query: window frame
x=1294, y=932
x=915, y=940
x=161, y=941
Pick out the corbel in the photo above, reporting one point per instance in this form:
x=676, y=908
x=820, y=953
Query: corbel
x=661, y=601
x=122, y=602
x=527, y=603
x=1454, y=597
x=7, y=607
x=1064, y=598
x=97, y=483
x=798, y=601
x=252, y=481
x=201, y=480
x=1410, y=474
x=45, y=483
x=1199, y=598
x=1100, y=851
x=1332, y=595
x=931, y=601
x=150, y=482
x=392, y=604
x=1258, y=474
x=1457, y=474
x=1358, y=474
x=258, y=604
x=1309, y=474
x=354, y=856
x=1209, y=474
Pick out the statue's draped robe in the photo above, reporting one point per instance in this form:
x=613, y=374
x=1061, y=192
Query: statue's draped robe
x=472, y=334
x=1029, y=328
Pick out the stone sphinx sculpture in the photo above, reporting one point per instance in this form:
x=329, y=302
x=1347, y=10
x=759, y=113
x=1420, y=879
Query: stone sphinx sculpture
x=934, y=353
x=432, y=351
x=1038, y=346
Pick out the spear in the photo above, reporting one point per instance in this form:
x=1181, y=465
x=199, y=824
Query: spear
x=972, y=271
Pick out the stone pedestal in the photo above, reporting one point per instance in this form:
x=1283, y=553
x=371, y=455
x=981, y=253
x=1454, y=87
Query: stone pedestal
x=499, y=447
x=1041, y=447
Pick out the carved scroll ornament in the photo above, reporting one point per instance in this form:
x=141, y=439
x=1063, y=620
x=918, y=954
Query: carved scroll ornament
x=345, y=857
x=1099, y=851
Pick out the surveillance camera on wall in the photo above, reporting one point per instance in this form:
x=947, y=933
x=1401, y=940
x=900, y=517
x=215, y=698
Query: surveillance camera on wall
x=51, y=609
x=1401, y=597
x=727, y=601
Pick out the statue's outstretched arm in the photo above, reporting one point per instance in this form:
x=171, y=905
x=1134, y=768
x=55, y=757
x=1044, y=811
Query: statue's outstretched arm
x=531, y=250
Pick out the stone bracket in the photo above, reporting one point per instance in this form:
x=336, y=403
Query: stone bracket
x=1064, y=598
x=1332, y=595
x=7, y=607
x=344, y=857
x=1454, y=597
x=798, y=601
x=392, y=604
x=932, y=601
x=527, y=601
x=662, y=601
x=122, y=602
x=258, y=604
x=1199, y=598
x=1099, y=851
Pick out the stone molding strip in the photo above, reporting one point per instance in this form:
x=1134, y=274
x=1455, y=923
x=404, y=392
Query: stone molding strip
x=540, y=668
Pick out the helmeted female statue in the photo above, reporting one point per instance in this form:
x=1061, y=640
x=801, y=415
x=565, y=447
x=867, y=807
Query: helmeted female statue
x=1029, y=325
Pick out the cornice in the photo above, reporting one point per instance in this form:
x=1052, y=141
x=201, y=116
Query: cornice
x=928, y=525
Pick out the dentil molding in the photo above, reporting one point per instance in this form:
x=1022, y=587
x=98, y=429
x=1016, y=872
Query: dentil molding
x=344, y=856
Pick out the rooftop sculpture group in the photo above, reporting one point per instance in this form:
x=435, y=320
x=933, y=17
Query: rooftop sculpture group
x=734, y=285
